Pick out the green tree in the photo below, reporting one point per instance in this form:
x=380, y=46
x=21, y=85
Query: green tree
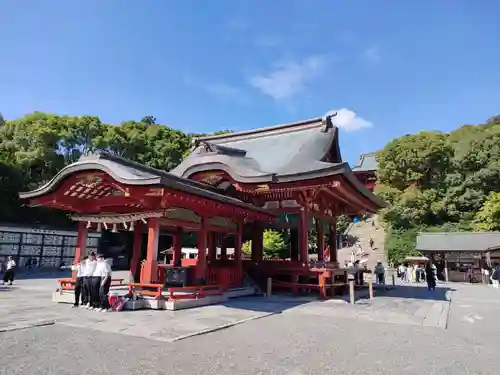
x=400, y=244
x=274, y=245
x=488, y=217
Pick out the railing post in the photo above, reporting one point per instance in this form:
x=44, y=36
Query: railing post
x=370, y=287
x=351, y=292
x=269, y=287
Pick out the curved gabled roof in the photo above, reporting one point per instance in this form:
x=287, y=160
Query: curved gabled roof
x=131, y=173
x=270, y=154
x=366, y=163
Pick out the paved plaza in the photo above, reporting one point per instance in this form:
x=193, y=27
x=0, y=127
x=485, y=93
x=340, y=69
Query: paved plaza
x=406, y=330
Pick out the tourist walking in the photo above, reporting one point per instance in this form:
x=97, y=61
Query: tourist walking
x=380, y=272
x=408, y=274
x=430, y=275
x=79, y=284
x=9, y=274
x=495, y=276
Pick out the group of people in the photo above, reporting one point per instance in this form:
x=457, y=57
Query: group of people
x=93, y=280
x=417, y=274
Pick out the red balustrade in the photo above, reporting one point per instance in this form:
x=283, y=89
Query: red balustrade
x=226, y=276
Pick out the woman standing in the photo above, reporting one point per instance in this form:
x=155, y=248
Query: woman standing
x=430, y=275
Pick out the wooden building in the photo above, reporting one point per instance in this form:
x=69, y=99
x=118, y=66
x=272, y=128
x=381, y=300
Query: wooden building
x=365, y=170
x=457, y=252
x=229, y=189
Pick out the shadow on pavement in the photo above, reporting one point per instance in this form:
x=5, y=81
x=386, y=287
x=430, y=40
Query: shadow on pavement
x=441, y=293
x=275, y=304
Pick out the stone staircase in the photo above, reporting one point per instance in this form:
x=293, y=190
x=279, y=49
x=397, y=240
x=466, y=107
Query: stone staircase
x=364, y=230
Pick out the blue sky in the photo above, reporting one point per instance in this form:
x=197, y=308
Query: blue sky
x=201, y=66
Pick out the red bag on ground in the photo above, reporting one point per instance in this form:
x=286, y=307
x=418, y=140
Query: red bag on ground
x=116, y=302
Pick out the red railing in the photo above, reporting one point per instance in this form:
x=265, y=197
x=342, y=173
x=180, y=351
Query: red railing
x=194, y=292
x=175, y=294
x=150, y=290
x=226, y=276
x=69, y=284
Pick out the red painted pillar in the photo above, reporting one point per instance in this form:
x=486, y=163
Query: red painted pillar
x=201, y=265
x=304, y=235
x=223, y=248
x=257, y=244
x=150, y=270
x=237, y=246
x=136, y=250
x=332, y=241
x=177, y=247
x=81, y=244
x=321, y=239
x=212, y=248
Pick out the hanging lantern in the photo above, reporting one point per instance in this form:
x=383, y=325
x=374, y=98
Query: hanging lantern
x=99, y=227
x=125, y=225
x=89, y=224
x=131, y=227
x=105, y=226
x=115, y=229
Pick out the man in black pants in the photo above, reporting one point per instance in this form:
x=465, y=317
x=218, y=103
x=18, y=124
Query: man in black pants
x=80, y=280
x=89, y=269
x=101, y=281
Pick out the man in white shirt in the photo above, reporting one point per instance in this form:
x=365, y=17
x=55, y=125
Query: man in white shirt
x=101, y=280
x=9, y=274
x=88, y=271
x=79, y=284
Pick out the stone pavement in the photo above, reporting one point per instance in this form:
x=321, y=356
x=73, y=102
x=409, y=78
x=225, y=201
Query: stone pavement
x=28, y=304
x=408, y=305
x=299, y=336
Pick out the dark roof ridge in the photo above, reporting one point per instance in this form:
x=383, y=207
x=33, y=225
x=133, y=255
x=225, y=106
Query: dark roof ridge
x=325, y=121
x=130, y=163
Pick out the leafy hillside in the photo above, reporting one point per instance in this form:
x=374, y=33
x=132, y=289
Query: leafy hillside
x=440, y=182
x=35, y=147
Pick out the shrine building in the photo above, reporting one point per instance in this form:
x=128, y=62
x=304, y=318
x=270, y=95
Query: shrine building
x=365, y=170
x=230, y=189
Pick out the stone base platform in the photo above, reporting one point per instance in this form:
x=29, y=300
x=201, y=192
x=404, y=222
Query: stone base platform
x=151, y=303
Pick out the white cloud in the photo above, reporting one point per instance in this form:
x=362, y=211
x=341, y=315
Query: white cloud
x=288, y=79
x=349, y=121
x=372, y=55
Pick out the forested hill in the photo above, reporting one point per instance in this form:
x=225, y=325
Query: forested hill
x=34, y=148
x=440, y=182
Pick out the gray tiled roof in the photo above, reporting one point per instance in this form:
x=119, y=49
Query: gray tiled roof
x=132, y=173
x=291, y=152
x=367, y=162
x=458, y=241
x=268, y=154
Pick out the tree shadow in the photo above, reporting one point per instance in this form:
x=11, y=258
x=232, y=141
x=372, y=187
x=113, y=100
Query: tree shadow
x=415, y=291
x=274, y=304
